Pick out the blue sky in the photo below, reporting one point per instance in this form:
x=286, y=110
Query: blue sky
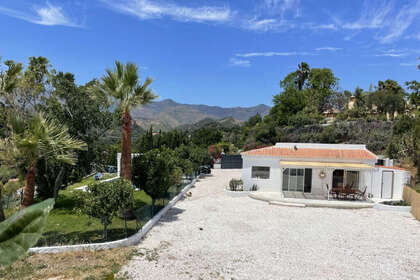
x=221, y=52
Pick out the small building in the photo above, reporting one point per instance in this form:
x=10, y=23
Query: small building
x=316, y=168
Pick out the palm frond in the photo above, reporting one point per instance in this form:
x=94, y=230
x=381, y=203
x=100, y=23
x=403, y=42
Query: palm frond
x=56, y=142
x=119, y=70
x=131, y=76
x=123, y=84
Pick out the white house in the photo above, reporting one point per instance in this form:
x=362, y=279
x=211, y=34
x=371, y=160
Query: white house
x=310, y=168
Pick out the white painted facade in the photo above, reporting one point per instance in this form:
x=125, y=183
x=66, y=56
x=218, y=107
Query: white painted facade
x=119, y=162
x=370, y=176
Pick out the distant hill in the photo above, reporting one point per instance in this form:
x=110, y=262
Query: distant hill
x=168, y=114
x=226, y=123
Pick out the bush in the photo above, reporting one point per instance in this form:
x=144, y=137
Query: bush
x=103, y=200
x=155, y=172
x=236, y=185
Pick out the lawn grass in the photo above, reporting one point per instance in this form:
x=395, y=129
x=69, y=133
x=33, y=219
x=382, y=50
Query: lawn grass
x=70, y=265
x=90, y=180
x=66, y=225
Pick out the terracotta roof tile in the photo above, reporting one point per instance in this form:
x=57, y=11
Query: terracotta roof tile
x=312, y=153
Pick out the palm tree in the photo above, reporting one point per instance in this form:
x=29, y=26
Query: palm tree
x=9, y=78
x=123, y=85
x=303, y=74
x=36, y=139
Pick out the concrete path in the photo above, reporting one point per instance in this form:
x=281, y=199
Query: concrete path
x=213, y=236
x=273, y=198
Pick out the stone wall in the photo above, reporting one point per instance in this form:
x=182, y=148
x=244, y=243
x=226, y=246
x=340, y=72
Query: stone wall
x=413, y=197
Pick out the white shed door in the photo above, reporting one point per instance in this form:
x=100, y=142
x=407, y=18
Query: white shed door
x=387, y=178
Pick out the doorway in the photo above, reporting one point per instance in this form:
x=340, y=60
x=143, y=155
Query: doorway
x=338, y=178
x=387, y=184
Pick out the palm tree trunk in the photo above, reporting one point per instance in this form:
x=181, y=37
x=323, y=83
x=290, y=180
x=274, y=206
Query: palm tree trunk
x=58, y=182
x=126, y=146
x=29, y=189
x=2, y=216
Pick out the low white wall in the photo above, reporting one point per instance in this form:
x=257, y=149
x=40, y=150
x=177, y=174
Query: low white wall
x=130, y=241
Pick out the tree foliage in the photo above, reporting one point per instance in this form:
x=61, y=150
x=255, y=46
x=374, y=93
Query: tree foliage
x=155, y=172
x=123, y=85
x=104, y=200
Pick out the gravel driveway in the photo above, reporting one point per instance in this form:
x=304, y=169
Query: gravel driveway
x=213, y=236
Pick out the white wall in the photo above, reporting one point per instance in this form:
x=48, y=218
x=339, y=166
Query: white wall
x=274, y=184
x=319, y=186
x=266, y=185
x=372, y=179
x=401, y=178
x=119, y=162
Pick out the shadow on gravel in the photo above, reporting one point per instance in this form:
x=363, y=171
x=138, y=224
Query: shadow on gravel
x=171, y=215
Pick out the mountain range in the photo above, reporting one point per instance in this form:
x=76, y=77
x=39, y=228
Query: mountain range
x=168, y=114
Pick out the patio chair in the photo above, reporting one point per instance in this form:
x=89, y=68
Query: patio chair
x=361, y=194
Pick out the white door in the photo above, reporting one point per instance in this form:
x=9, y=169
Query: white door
x=387, y=182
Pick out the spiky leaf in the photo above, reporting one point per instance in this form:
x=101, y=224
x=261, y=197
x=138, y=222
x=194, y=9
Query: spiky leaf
x=22, y=231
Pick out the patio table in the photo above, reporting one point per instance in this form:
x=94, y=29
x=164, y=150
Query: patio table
x=344, y=192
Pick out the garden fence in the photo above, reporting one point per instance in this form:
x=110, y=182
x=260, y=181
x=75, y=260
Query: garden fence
x=145, y=213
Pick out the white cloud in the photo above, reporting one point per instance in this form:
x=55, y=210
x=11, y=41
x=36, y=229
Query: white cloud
x=281, y=7
x=49, y=15
x=402, y=22
x=390, y=22
x=239, y=62
x=409, y=64
x=372, y=16
x=330, y=26
x=399, y=52
x=269, y=54
x=332, y=49
x=268, y=24
x=391, y=54
x=146, y=9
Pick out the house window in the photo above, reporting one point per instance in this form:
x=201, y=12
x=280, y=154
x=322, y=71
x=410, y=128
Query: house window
x=260, y=172
x=344, y=178
x=352, y=179
x=297, y=180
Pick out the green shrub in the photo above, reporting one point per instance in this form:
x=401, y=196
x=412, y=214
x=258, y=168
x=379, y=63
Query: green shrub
x=236, y=185
x=155, y=172
x=103, y=200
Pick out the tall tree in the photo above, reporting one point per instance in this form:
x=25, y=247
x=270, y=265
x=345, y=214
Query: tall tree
x=414, y=88
x=303, y=73
x=9, y=81
x=38, y=138
x=122, y=84
x=87, y=117
x=287, y=104
x=321, y=86
x=389, y=98
x=155, y=172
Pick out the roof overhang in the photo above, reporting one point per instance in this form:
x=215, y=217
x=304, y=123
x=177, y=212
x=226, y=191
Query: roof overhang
x=343, y=165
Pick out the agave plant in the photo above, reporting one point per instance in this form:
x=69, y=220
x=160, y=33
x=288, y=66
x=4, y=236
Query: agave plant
x=39, y=138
